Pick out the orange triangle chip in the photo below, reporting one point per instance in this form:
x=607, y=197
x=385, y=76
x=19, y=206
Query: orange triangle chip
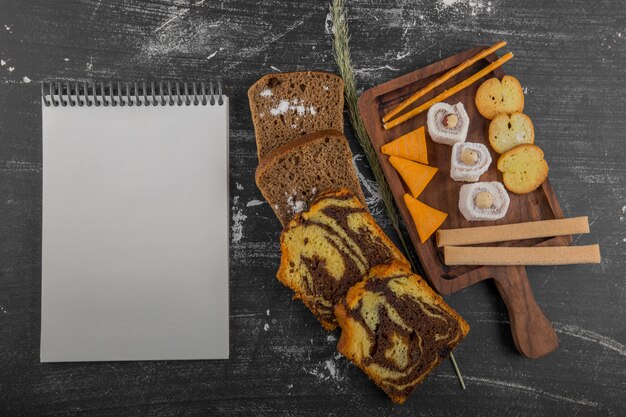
x=427, y=219
x=411, y=146
x=415, y=175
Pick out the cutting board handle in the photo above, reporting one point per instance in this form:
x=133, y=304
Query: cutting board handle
x=533, y=334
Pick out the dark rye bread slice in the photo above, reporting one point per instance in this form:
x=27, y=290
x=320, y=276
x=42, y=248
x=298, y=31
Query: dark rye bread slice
x=329, y=248
x=396, y=329
x=291, y=176
x=285, y=106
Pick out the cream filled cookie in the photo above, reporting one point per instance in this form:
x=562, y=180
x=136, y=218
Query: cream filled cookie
x=469, y=161
x=483, y=201
x=448, y=124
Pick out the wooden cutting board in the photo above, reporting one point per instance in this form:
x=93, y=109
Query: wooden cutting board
x=532, y=332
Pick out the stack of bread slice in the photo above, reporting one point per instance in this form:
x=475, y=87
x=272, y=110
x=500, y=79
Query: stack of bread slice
x=512, y=134
x=331, y=243
x=298, y=123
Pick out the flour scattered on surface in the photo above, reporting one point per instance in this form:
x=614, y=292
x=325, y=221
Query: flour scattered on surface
x=26, y=79
x=2, y=62
x=332, y=369
x=472, y=7
x=268, y=312
x=3, y=310
x=253, y=203
x=624, y=240
x=373, y=197
x=374, y=69
x=266, y=327
x=289, y=386
x=525, y=90
x=328, y=24
x=266, y=93
x=11, y=69
x=328, y=370
x=331, y=338
x=325, y=87
x=402, y=55
x=66, y=59
x=195, y=35
x=590, y=336
x=238, y=218
x=7, y=27
x=238, y=186
x=295, y=206
x=296, y=105
x=282, y=108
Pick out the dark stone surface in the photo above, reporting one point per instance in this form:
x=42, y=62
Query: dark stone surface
x=570, y=56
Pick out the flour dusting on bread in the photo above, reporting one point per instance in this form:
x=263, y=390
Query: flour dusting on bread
x=309, y=100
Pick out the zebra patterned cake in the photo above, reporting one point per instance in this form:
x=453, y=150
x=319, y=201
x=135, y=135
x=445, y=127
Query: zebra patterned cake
x=329, y=248
x=396, y=329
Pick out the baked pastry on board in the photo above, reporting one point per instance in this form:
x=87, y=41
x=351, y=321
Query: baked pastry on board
x=287, y=105
x=523, y=168
x=396, y=328
x=506, y=132
x=291, y=176
x=495, y=97
x=330, y=247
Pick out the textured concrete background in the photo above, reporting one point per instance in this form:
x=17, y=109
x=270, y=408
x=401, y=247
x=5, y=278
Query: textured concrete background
x=570, y=58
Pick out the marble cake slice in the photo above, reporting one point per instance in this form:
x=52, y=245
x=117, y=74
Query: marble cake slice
x=328, y=249
x=291, y=176
x=396, y=329
x=287, y=105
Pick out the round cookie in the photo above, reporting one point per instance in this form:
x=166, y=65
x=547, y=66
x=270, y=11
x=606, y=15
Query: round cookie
x=523, y=168
x=494, y=97
x=506, y=132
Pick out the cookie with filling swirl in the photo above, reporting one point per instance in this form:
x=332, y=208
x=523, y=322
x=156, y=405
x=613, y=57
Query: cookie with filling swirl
x=329, y=248
x=396, y=328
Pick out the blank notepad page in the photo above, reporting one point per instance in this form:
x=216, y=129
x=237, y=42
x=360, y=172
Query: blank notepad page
x=135, y=232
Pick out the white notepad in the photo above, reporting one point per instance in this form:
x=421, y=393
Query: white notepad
x=135, y=223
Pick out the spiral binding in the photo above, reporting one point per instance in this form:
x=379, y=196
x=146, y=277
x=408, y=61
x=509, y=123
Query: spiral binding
x=162, y=93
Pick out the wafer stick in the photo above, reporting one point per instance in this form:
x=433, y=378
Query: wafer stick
x=550, y=255
x=464, y=84
x=445, y=77
x=517, y=231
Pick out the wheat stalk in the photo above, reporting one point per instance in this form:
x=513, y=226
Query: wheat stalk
x=342, y=56
x=341, y=46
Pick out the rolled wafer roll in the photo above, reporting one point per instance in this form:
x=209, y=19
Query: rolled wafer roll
x=516, y=231
x=538, y=255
